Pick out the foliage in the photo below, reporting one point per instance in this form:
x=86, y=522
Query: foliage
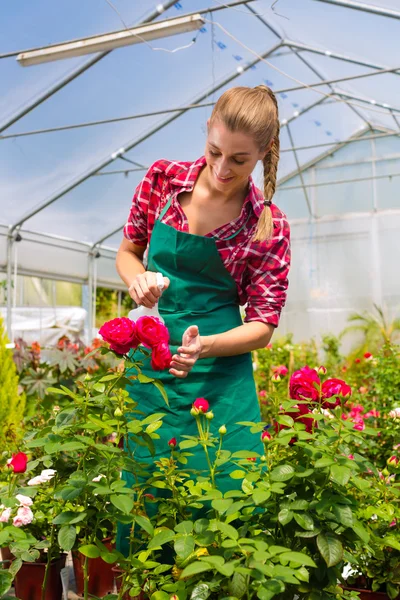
x=377, y=328
x=12, y=397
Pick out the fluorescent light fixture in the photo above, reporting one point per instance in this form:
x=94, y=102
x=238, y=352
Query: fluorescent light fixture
x=109, y=41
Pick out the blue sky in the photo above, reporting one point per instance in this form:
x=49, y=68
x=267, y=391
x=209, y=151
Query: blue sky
x=138, y=79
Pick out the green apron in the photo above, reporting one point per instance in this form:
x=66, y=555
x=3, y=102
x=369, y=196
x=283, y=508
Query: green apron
x=203, y=293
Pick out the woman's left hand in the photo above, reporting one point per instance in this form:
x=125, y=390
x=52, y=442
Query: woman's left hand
x=183, y=362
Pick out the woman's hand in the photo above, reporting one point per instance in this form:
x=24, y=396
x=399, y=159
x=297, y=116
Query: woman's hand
x=144, y=289
x=183, y=362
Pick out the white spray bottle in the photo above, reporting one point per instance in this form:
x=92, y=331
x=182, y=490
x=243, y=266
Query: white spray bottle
x=142, y=311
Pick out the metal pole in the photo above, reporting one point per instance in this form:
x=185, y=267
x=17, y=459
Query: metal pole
x=10, y=242
x=369, y=8
x=141, y=139
x=359, y=99
x=299, y=172
x=335, y=182
x=90, y=296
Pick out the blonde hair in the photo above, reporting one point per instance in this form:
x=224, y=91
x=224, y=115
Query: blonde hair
x=254, y=111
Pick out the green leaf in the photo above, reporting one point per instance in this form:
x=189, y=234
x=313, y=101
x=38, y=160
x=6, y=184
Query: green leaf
x=340, y=475
x=159, y=596
x=153, y=427
x=90, y=550
x=145, y=524
x=162, y=537
x=227, y=530
x=324, y=462
x=285, y=420
x=297, y=557
x=305, y=473
x=361, y=531
x=237, y=474
x=67, y=537
x=299, y=505
x=282, y=473
x=308, y=534
x=304, y=520
x=188, y=444
x=343, y=514
x=123, y=503
x=330, y=548
x=184, y=527
x=68, y=492
x=245, y=454
x=194, y=568
x=285, y=516
x=222, y=504
x=260, y=496
x=184, y=546
x=6, y=580
x=162, y=391
x=69, y=517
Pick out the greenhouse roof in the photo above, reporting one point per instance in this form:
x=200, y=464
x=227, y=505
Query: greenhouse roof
x=78, y=134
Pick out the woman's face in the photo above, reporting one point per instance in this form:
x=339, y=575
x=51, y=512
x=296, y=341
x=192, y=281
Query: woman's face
x=231, y=157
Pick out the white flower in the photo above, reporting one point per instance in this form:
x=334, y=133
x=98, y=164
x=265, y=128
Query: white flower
x=47, y=474
x=98, y=478
x=24, y=500
x=24, y=516
x=5, y=515
x=395, y=413
x=35, y=481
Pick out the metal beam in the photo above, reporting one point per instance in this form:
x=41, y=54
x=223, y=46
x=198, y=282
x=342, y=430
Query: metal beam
x=66, y=80
x=80, y=179
x=329, y=54
x=369, y=8
x=300, y=173
x=371, y=102
x=337, y=181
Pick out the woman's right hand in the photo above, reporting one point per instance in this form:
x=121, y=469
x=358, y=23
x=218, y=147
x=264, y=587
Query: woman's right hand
x=144, y=289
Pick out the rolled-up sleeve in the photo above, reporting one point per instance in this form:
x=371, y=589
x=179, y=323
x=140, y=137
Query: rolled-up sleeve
x=136, y=227
x=267, y=276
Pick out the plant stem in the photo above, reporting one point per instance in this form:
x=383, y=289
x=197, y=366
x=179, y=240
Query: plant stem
x=86, y=578
x=47, y=570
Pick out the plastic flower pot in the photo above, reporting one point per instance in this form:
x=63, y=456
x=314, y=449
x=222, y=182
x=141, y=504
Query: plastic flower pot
x=118, y=573
x=6, y=557
x=101, y=576
x=29, y=579
x=368, y=594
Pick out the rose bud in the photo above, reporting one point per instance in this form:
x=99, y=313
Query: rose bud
x=368, y=356
x=194, y=412
x=117, y=412
x=172, y=443
x=209, y=415
x=18, y=462
x=393, y=460
x=222, y=430
x=265, y=437
x=321, y=370
x=201, y=404
x=276, y=377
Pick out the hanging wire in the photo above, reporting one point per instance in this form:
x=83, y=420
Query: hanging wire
x=245, y=12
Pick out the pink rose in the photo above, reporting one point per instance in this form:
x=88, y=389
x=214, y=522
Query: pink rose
x=334, y=388
x=359, y=425
x=24, y=516
x=120, y=333
x=262, y=393
x=161, y=357
x=280, y=370
x=201, y=404
x=372, y=413
x=151, y=331
x=5, y=515
x=351, y=457
x=18, y=462
x=305, y=385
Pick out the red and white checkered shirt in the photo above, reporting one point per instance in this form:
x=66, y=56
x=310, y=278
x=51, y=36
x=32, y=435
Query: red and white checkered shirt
x=260, y=269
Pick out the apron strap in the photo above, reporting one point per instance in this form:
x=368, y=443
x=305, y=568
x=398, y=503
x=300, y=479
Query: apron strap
x=166, y=207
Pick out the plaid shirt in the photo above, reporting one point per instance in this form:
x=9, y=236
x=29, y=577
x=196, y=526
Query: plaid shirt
x=260, y=269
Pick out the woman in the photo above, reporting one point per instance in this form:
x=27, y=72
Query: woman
x=219, y=242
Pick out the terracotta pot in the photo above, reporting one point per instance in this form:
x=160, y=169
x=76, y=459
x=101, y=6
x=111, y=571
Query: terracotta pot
x=368, y=594
x=28, y=581
x=6, y=555
x=101, y=576
x=118, y=576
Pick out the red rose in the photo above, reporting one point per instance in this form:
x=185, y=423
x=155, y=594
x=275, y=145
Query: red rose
x=151, y=331
x=357, y=361
x=280, y=370
x=18, y=462
x=172, y=443
x=305, y=385
x=160, y=357
x=266, y=436
x=367, y=355
x=120, y=333
x=201, y=404
x=335, y=388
